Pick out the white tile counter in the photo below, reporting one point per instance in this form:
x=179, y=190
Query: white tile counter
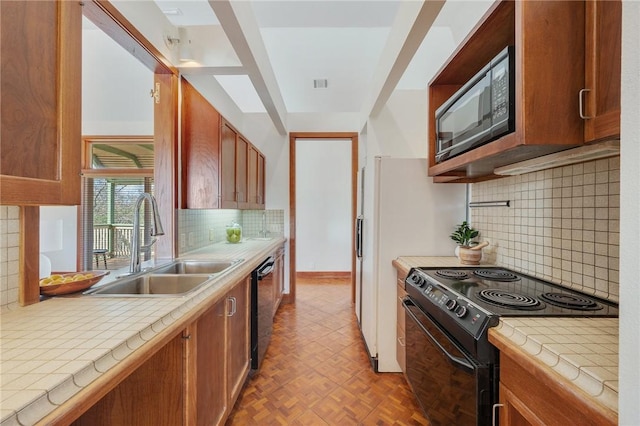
x=51, y=350
x=584, y=351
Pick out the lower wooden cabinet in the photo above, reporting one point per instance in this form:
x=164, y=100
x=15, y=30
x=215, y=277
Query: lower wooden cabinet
x=151, y=395
x=278, y=279
x=206, y=386
x=194, y=379
x=238, y=339
x=528, y=396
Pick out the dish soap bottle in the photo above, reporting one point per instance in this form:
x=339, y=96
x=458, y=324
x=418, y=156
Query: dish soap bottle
x=234, y=232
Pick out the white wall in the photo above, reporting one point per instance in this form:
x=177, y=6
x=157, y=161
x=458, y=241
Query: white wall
x=58, y=236
x=629, y=369
x=323, y=205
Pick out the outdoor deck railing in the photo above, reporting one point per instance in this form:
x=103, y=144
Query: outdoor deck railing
x=113, y=238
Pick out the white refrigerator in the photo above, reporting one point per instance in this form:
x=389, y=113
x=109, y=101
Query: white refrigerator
x=401, y=213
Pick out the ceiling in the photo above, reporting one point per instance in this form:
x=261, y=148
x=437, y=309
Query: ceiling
x=266, y=54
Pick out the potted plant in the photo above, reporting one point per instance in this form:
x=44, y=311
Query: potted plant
x=469, y=252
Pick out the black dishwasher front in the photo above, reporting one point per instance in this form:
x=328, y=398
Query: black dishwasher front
x=262, y=298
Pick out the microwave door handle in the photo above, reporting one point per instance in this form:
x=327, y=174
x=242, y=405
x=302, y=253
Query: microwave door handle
x=460, y=363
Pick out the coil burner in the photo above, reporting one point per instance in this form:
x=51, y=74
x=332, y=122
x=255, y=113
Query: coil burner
x=452, y=274
x=510, y=299
x=495, y=275
x=571, y=301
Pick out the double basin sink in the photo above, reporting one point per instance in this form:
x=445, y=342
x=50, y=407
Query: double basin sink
x=178, y=278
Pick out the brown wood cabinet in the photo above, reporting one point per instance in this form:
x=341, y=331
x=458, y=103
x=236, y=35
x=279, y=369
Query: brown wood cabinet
x=255, y=178
x=40, y=106
x=194, y=379
x=278, y=279
x=242, y=171
x=228, y=136
x=218, y=359
x=260, y=183
x=242, y=184
x=401, y=352
x=603, y=48
x=238, y=339
x=533, y=394
x=206, y=366
x=151, y=395
x=200, y=151
x=549, y=74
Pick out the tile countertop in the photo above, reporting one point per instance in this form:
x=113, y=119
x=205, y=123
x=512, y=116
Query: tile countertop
x=584, y=351
x=52, y=350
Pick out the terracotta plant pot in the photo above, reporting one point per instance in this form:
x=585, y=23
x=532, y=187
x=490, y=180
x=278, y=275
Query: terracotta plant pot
x=468, y=256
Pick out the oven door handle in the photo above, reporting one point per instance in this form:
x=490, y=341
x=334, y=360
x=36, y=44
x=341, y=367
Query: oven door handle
x=458, y=362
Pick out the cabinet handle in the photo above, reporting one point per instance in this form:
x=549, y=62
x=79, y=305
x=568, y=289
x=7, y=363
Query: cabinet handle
x=494, y=412
x=401, y=341
x=232, y=312
x=581, y=104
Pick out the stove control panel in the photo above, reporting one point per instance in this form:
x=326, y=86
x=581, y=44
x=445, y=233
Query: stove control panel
x=447, y=306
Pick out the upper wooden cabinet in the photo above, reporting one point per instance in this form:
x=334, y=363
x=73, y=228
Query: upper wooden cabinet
x=603, y=48
x=255, y=178
x=549, y=73
x=41, y=100
x=242, y=171
x=200, y=151
x=228, y=147
x=220, y=167
x=242, y=181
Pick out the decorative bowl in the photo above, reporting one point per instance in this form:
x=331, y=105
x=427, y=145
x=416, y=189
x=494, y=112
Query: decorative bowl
x=72, y=286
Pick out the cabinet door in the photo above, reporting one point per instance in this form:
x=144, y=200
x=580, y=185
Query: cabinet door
x=40, y=52
x=200, y=150
x=278, y=279
x=238, y=338
x=242, y=151
x=151, y=395
x=228, y=190
x=603, y=67
x=212, y=398
x=252, y=177
x=260, y=184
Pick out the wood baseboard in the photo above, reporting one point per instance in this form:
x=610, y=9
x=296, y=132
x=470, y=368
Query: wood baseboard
x=323, y=275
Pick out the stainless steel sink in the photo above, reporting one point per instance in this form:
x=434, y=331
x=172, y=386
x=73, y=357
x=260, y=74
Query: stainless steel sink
x=152, y=285
x=197, y=267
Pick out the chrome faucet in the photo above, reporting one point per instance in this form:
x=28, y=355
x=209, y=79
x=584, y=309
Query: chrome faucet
x=156, y=229
x=264, y=232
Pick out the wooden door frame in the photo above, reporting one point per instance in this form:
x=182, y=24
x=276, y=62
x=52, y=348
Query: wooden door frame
x=293, y=136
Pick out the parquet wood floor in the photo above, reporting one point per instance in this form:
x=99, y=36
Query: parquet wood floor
x=316, y=370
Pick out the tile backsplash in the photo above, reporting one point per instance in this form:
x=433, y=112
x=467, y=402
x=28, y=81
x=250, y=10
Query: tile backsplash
x=562, y=225
x=9, y=256
x=199, y=228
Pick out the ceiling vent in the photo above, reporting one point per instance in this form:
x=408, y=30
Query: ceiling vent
x=320, y=83
x=174, y=11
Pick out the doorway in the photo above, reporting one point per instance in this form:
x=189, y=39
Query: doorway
x=293, y=137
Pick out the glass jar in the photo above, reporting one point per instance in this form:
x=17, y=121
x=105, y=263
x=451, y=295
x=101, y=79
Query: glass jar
x=234, y=233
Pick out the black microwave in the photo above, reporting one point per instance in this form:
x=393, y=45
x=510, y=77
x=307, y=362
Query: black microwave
x=480, y=111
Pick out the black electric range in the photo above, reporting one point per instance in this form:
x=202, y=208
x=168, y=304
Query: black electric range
x=451, y=366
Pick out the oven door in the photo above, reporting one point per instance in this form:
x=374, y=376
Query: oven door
x=451, y=387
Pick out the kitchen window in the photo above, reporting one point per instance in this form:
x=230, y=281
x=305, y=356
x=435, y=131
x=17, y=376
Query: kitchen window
x=116, y=171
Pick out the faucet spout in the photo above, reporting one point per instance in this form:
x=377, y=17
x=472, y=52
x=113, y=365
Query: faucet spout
x=156, y=229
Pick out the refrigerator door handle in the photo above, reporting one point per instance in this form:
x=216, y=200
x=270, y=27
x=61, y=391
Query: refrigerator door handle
x=358, y=242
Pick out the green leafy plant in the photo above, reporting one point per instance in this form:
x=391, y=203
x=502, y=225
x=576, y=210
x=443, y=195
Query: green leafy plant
x=464, y=234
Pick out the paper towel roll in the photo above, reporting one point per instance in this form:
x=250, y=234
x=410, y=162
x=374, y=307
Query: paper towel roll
x=45, y=266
